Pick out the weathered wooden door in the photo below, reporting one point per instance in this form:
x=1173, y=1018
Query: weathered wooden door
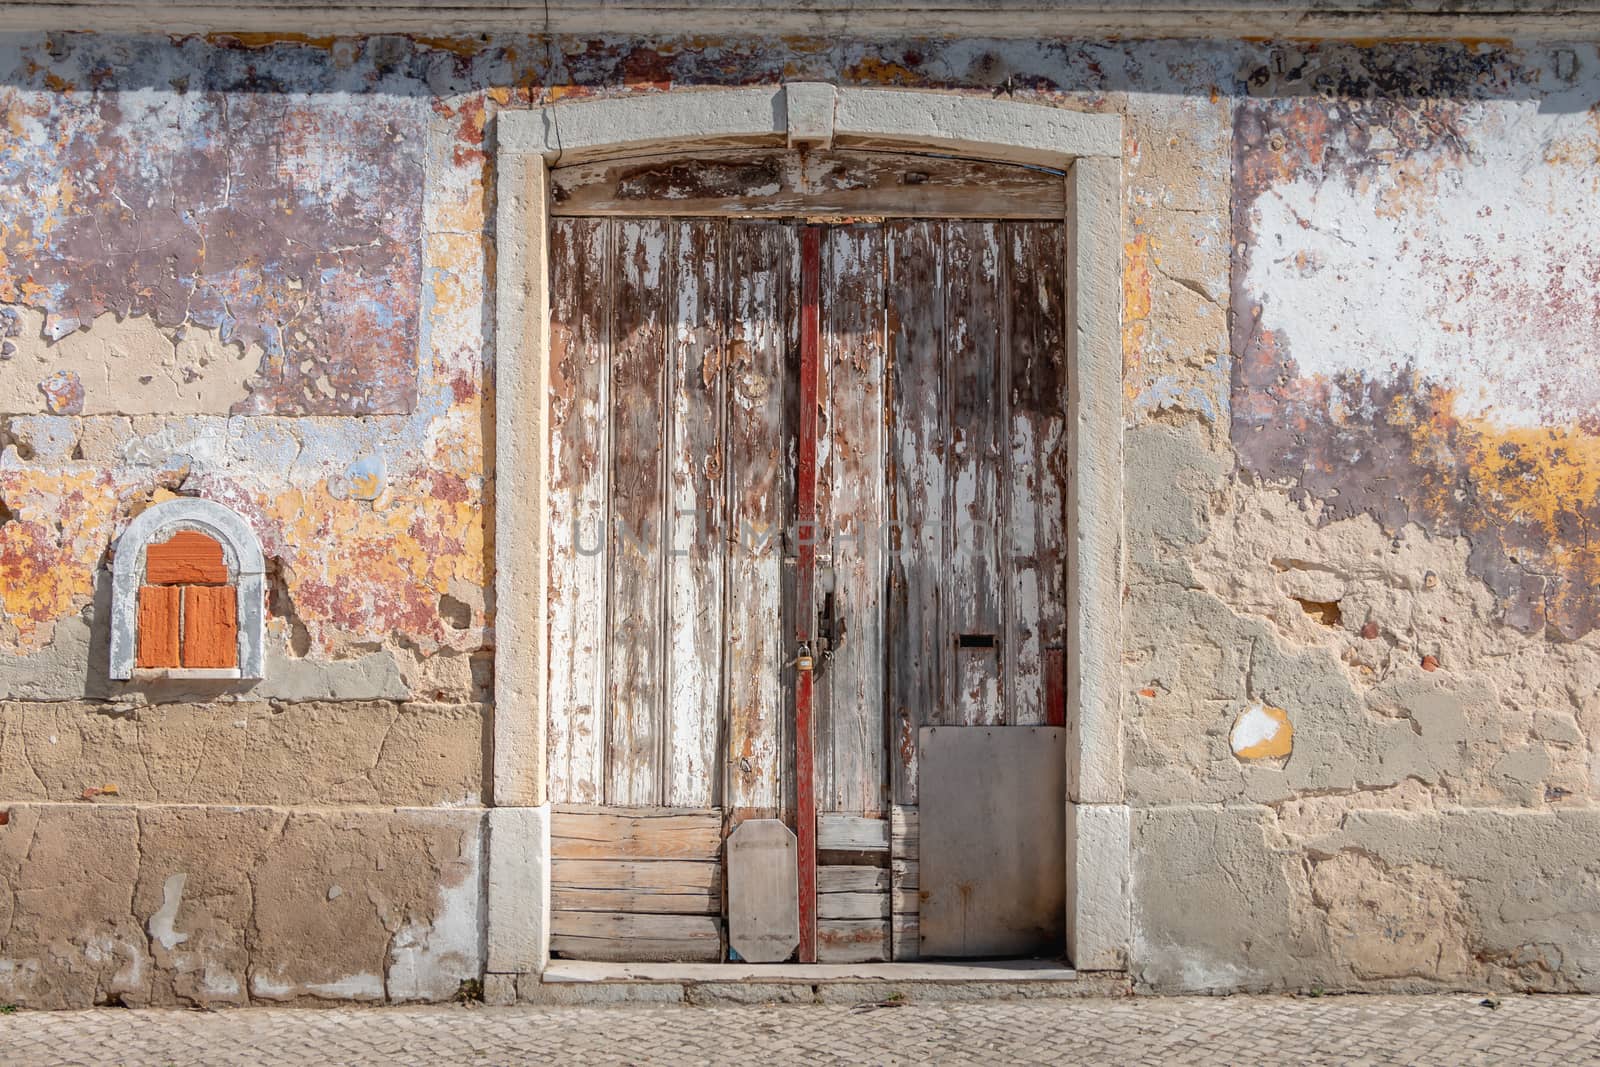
x=928, y=590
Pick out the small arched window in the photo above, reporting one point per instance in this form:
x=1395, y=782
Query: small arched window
x=187, y=593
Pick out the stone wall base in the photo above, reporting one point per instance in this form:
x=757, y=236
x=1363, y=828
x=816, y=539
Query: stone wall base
x=207, y=905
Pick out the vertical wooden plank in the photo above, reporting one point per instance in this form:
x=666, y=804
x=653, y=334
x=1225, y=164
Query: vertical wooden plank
x=974, y=324
x=695, y=482
x=763, y=268
x=210, y=626
x=805, y=495
x=916, y=476
x=580, y=308
x=905, y=904
x=1036, y=474
x=157, y=626
x=638, y=375
x=850, y=713
x=819, y=531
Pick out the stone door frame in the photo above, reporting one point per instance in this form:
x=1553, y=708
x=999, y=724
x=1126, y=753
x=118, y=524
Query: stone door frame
x=1087, y=149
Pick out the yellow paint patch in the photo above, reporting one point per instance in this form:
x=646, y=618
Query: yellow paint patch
x=49, y=551
x=1135, y=309
x=1540, y=481
x=1262, y=732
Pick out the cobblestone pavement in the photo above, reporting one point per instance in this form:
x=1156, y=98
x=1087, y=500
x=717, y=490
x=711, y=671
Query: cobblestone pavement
x=1450, y=1030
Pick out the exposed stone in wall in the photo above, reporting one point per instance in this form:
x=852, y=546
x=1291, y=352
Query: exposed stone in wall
x=1393, y=900
x=212, y=906
x=1232, y=591
x=1384, y=922
x=420, y=755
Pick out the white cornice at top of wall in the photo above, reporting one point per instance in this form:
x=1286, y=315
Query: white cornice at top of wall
x=1565, y=19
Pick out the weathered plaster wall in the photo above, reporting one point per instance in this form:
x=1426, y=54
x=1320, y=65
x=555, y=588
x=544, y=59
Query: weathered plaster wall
x=1359, y=303
x=253, y=273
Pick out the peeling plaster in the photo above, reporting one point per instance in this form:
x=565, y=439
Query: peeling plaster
x=1416, y=305
x=127, y=367
x=1358, y=308
x=275, y=203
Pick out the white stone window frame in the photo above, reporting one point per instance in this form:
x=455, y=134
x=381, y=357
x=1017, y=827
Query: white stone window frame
x=241, y=551
x=1087, y=149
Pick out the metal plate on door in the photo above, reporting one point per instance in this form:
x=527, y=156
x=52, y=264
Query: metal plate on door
x=993, y=840
x=763, y=892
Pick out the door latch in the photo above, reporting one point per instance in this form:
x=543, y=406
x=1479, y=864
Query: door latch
x=831, y=626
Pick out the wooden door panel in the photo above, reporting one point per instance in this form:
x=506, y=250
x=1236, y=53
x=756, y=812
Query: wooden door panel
x=763, y=270
x=634, y=732
x=975, y=605
x=916, y=477
x=976, y=476
x=1036, y=476
x=580, y=408
x=941, y=459
x=695, y=550
x=783, y=183
x=850, y=691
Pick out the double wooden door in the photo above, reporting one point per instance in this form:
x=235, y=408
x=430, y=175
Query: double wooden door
x=705, y=541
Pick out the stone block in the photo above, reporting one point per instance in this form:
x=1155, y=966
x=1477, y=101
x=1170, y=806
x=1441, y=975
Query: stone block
x=519, y=889
x=413, y=755
x=203, y=905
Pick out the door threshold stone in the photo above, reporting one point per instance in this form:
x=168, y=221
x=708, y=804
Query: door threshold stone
x=880, y=984
x=940, y=971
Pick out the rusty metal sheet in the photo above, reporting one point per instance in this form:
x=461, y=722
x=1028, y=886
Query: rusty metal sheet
x=993, y=841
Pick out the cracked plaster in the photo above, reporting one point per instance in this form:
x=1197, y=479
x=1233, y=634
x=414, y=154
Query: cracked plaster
x=1434, y=822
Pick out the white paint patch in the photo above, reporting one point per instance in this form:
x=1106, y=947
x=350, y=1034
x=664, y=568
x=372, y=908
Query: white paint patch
x=428, y=961
x=1252, y=728
x=160, y=924
x=219, y=983
x=354, y=987
x=106, y=948
x=269, y=989
x=1479, y=275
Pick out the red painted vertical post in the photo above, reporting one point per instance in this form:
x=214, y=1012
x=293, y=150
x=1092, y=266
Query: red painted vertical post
x=805, y=578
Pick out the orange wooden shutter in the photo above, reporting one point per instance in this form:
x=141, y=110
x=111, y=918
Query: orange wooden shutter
x=186, y=558
x=210, y=626
x=158, y=626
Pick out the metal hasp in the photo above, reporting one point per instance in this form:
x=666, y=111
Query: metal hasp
x=763, y=903
x=805, y=580
x=993, y=826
